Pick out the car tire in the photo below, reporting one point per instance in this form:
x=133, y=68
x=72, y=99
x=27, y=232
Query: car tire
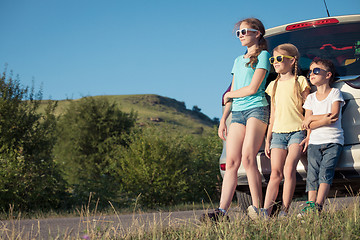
x=244, y=200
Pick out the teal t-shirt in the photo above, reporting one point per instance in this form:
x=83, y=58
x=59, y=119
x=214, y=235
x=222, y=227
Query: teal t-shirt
x=243, y=76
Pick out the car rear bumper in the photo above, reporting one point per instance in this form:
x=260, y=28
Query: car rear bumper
x=347, y=172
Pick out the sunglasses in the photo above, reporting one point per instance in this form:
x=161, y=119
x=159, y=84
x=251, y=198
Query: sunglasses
x=315, y=71
x=245, y=31
x=279, y=58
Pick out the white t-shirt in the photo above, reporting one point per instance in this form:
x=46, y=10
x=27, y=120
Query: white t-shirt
x=332, y=133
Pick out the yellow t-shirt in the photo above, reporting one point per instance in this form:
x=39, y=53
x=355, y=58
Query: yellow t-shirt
x=288, y=116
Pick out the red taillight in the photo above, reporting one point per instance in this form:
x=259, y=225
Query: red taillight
x=311, y=24
x=223, y=167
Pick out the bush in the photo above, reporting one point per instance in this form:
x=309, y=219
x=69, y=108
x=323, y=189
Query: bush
x=167, y=169
x=203, y=172
x=154, y=166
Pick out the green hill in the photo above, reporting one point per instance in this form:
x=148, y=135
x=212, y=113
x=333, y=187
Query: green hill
x=154, y=110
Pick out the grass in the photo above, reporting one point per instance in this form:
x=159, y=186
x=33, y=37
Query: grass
x=333, y=223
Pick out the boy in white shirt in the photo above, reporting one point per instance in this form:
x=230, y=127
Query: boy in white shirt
x=323, y=120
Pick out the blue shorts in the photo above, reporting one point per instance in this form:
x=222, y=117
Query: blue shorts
x=261, y=113
x=284, y=140
x=322, y=160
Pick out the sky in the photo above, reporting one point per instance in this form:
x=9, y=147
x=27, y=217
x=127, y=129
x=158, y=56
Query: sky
x=181, y=49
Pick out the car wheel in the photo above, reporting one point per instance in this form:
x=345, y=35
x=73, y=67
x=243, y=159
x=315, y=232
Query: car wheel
x=244, y=200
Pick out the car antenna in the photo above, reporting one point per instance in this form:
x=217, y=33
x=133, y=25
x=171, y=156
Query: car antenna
x=327, y=9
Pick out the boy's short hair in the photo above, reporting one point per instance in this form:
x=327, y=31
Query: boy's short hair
x=328, y=64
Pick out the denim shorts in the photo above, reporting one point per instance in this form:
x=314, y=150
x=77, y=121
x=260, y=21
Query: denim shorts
x=261, y=113
x=284, y=140
x=322, y=160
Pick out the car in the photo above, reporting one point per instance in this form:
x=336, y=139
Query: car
x=338, y=39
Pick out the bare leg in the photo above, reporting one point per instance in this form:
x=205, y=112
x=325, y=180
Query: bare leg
x=234, y=142
x=278, y=157
x=291, y=162
x=323, y=191
x=312, y=195
x=254, y=137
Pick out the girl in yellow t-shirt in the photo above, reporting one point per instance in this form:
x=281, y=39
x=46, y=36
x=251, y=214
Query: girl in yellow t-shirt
x=285, y=137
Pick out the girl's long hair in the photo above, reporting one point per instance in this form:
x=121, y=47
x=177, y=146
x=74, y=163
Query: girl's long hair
x=290, y=50
x=258, y=25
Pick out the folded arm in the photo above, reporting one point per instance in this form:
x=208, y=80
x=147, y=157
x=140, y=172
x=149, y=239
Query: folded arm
x=251, y=89
x=314, y=121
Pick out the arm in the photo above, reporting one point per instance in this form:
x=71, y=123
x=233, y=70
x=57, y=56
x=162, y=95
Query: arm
x=222, y=130
x=313, y=118
x=251, y=89
x=269, y=131
x=309, y=118
x=305, y=93
x=305, y=142
x=329, y=118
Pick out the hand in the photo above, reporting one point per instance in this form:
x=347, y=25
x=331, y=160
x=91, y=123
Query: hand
x=305, y=144
x=267, y=149
x=222, y=131
x=330, y=118
x=306, y=123
x=227, y=98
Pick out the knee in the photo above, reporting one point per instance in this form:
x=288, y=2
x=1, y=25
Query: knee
x=232, y=164
x=276, y=176
x=289, y=172
x=248, y=162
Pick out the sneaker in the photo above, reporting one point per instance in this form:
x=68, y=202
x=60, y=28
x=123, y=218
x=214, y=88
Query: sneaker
x=216, y=216
x=263, y=213
x=311, y=207
x=255, y=213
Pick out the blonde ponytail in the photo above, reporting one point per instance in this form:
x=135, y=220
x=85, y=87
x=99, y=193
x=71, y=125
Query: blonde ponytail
x=297, y=88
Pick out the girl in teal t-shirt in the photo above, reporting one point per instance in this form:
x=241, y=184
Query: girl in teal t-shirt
x=250, y=115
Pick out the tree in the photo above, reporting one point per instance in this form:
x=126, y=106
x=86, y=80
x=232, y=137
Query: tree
x=87, y=133
x=29, y=178
x=196, y=109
